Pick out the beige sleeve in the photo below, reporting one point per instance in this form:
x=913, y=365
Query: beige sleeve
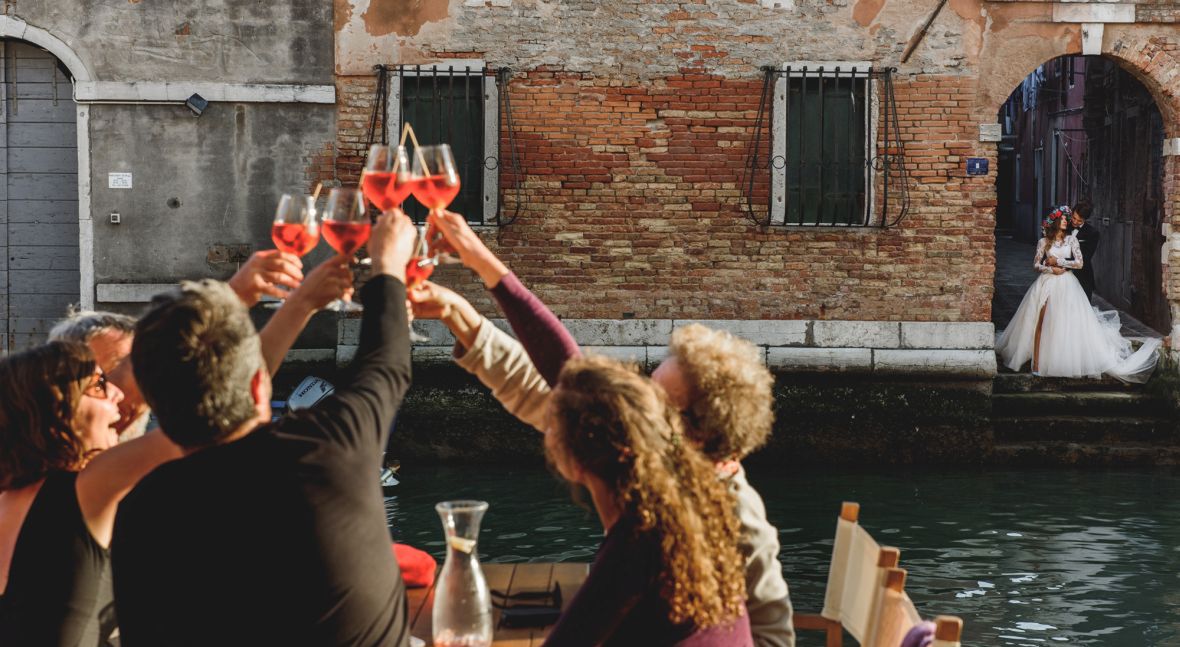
x=501, y=363
x=767, y=598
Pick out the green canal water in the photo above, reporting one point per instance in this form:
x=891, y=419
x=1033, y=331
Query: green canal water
x=1024, y=557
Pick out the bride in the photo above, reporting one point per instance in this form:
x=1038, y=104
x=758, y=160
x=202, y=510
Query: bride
x=1056, y=328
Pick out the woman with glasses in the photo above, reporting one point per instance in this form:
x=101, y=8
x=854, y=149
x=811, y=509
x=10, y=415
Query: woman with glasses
x=61, y=478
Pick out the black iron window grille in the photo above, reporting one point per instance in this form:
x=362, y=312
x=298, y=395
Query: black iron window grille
x=461, y=104
x=826, y=149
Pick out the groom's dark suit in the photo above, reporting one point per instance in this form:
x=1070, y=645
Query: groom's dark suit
x=1088, y=237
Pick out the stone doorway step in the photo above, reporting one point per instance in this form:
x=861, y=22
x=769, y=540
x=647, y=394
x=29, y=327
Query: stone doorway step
x=1053, y=421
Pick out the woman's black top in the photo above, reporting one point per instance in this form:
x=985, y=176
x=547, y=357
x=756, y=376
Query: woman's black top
x=59, y=579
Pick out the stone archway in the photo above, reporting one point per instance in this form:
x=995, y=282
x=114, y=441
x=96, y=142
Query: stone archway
x=1150, y=56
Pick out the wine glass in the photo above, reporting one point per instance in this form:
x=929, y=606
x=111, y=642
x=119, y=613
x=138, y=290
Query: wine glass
x=294, y=230
x=346, y=227
x=437, y=183
x=387, y=180
x=420, y=267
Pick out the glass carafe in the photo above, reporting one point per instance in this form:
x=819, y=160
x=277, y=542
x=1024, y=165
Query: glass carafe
x=462, y=614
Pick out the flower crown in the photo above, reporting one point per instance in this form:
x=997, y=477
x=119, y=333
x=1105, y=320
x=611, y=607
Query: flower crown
x=1058, y=213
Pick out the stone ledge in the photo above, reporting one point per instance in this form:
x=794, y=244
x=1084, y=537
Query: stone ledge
x=979, y=364
x=637, y=354
x=766, y=332
x=954, y=336
x=822, y=360
x=856, y=334
x=620, y=332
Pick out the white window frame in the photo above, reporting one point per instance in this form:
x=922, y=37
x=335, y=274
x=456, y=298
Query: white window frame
x=778, y=207
x=491, y=122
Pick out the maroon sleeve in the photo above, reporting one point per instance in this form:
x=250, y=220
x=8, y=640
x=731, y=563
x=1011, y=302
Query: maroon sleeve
x=541, y=333
x=621, y=575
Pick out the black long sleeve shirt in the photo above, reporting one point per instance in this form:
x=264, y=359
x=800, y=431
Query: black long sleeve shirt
x=278, y=538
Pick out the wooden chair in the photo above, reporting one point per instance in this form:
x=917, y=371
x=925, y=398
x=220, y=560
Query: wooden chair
x=865, y=595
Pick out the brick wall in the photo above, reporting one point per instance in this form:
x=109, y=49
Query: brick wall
x=634, y=120
x=631, y=206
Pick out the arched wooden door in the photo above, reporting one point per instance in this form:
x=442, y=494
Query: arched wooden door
x=38, y=194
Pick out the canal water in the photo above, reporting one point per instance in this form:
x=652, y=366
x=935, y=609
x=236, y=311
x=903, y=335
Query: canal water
x=1024, y=557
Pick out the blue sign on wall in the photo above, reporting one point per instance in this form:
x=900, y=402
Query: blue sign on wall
x=976, y=166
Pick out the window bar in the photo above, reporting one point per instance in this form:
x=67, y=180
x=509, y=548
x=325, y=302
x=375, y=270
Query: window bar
x=450, y=101
x=471, y=138
x=888, y=167
x=750, y=173
x=436, y=99
x=820, y=214
x=502, y=76
x=786, y=149
x=847, y=176
x=401, y=112
x=479, y=129
x=449, y=128
x=802, y=146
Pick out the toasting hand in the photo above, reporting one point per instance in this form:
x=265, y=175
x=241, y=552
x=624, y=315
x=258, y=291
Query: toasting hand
x=391, y=243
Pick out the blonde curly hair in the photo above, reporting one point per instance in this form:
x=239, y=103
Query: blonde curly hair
x=732, y=396
x=618, y=425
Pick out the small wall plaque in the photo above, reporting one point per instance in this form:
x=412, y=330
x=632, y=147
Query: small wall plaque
x=118, y=180
x=976, y=166
x=990, y=133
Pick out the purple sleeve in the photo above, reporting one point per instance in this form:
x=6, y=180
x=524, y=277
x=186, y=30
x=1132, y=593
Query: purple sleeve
x=541, y=333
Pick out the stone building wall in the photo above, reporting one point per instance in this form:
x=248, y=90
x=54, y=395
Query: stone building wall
x=203, y=188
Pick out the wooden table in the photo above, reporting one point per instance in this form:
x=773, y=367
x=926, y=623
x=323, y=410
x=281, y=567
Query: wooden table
x=506, y=578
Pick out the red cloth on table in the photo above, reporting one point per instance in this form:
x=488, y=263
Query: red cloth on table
x=417, y=566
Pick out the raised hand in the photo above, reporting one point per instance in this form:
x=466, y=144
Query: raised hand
x=391, y=244
x=263, y=273
x=330, y=280
x=433, y=301
x=462, y=240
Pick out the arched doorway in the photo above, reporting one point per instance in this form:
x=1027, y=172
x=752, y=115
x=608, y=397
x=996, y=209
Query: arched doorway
x=39, y=243
x=1082, y=128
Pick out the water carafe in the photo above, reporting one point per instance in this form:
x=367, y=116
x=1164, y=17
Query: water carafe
x=462, y=614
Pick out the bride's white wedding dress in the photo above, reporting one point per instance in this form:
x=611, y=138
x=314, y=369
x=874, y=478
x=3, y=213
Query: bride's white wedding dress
x=1077, y=340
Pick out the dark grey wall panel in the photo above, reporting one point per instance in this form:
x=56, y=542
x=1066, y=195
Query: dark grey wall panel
x=38, y=195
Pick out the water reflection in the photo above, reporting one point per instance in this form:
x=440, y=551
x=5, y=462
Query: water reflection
x=1026, y=558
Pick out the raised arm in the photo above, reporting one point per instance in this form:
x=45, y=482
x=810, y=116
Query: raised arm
x=547, y=341
x=359, y=414
x=109, y=476
x=490, y=354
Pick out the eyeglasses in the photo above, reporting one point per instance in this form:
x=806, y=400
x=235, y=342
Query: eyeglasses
x=98, y=388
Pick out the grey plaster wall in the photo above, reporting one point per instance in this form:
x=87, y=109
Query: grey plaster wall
x=197, y=183
x=229, y=41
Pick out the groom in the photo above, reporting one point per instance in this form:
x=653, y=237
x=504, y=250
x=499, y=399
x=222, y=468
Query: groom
x=1088, y=237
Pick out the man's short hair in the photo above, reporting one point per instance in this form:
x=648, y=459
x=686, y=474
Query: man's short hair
x=732, y=392
x=82, y=325
x=1083, y=208
x=194, y=355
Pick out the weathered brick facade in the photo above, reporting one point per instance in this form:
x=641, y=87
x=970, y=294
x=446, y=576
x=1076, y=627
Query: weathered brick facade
x=634, y=118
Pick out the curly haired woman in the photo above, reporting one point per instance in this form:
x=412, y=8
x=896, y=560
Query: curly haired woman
x=721, y=376
x=56, y=518
x=669, y=571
